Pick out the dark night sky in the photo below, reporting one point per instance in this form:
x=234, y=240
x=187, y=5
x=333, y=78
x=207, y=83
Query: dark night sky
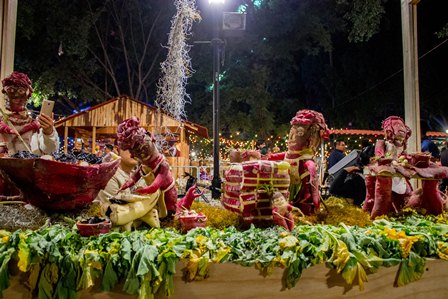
x=433, y=62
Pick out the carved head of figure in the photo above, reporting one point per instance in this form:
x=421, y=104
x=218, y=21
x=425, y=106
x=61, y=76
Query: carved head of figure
x=18, y=90
x=279, y=202
x=248, y=155
x=396, y=131
x=139, y=142
x=308, y=128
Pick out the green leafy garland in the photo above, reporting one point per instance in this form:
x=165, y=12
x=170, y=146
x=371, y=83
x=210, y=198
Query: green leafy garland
x=60, y=262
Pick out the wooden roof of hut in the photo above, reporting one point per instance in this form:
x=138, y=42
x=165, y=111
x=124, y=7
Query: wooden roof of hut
x=106, y=116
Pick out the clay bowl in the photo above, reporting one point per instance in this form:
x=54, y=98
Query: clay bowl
x=188, y=222
x=93, y=229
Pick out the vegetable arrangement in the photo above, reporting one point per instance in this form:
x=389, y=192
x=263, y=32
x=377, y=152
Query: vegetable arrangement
x=60, y=262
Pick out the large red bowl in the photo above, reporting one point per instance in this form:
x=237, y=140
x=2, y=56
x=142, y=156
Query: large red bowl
x=58, y=186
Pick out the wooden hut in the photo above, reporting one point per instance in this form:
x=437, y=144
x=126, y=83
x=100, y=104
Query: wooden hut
x=100, y=123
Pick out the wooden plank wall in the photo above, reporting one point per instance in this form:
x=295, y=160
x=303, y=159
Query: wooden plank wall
x=104, y=119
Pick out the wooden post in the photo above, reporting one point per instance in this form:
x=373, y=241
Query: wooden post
x=65, y=138
x=1, y=26
x=8, y=10
x=182, y=133
x=410, y=70
x=94, y=140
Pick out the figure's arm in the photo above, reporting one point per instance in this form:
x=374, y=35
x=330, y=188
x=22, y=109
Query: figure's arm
x=133, y=179
x=159, y=180
x=380, y=146
x=5, y=129
x=47, y=144
x=276, y=156
x=311, y=167
x=314, y=183
x=48, y=138
x=33, y=126
x=46, y=122
x=187, y=200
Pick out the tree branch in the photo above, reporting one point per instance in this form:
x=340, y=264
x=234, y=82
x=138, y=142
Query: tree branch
x=124, y=48
x=107, y=65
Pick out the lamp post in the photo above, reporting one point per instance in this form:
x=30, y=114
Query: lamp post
x=216, y=43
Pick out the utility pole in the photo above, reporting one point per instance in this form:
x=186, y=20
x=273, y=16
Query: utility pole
x=410, y=70
x=216, y=44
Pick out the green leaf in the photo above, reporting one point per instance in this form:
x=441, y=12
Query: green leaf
x=5, y=257
x=110, y=278
x=132, y=283
x=147, y=256
x=45, y=285
x=411, y=269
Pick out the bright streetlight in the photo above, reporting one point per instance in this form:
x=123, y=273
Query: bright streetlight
x=215, y=1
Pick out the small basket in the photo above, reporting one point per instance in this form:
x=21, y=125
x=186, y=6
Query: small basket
x=87, y=230
x=188, y=222
x=421, y=160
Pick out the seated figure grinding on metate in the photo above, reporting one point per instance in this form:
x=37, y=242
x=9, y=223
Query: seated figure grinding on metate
x=124, y=207
x=133, y=199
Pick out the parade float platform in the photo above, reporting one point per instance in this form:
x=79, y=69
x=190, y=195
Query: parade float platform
x=403, y=257
x=400, y=258
x=235, y=281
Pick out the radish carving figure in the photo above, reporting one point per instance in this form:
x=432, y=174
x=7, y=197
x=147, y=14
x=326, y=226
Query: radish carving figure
x=308, y=130
x=388, y=188
x=386, y=191
x=249, y=185
x=140, y=143
x=18, y=130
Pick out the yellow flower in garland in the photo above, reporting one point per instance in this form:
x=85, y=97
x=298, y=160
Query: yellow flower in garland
x=90, y=262
x=288, y=242
x=405, y=241
x=442, y=250
x=442, y=218
x=92, y=259
x=222, y=252
x=4, y=236
x=340, y=256
x=23, y=254
x=201, y=240
x=198, y=260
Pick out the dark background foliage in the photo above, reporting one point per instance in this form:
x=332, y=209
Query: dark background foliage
x=342, y=58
